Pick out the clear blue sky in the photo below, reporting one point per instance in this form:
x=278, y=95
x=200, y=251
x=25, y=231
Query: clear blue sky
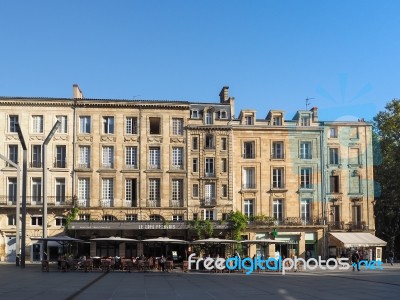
x=272, y=54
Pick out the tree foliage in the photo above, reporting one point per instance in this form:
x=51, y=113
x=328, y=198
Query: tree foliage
x=386, y=139
x=239, y=223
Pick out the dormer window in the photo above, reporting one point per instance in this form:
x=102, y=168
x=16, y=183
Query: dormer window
x=249, y=120
x=195, y=114
x=277, y=120
x=305, y=121
x=209, y=117
x=222, y=114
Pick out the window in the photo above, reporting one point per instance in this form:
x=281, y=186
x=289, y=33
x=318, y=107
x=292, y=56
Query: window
x=224, y=143
x=131, y=217
x=356, y=214
x=278, y=210
x=195, y=165
x=222, y=114
x=355, y=184
x=131, y=157
x=305, y=121
x=64, y=124
x=305, y=178
x=84, y=217
x=177, y=193
x=61, y=221
x=249, y=176
x=209, y=144
x=84, y=124
x=195, y=190
x=108, y=218
x=277, y=178
x=305, y=211
x=84, y=156
x=61, y=154
x=83, y=192
x=209, y=171
x=195, y=143
x=11, y=220
x=156, y=218
x=249, y=207
x=36, y=156
x=130, y=192
x=354, y=156
x=155, y=125
x=36, y=220
x=277, y=121
x=177, y=218
x=36, y=190
x=335, y=214
x=333, y=156
x=13, y=153
x=249, y=120
x=12, y=189
x=154, y=189
x=248, y=150
x=177, y=158
x=334, y=184
x=195, y=114
x=195, y=216
x=224, y=165
x=224, y=190
x=37, y=124
x=108, y=157
x=108, y=125
x=305, y=150
x=131, y=125
x=107, y=192
x=177, y=126
x=60, y=190
x=13, y=121
x=209, y=214
x=209, y=193
x=209, y=117
x=333, y=132
x=353, y=132
x=154, y=158
x=277, y=150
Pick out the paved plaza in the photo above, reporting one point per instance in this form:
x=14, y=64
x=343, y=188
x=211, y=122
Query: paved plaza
x=32, y=283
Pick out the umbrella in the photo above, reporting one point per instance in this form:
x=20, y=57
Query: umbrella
x=114, y=239
x=214, y=241
x=165, y=240
x=62, y=240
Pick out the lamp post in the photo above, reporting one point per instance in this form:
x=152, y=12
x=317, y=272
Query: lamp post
x=44, y=150
x=23, y=206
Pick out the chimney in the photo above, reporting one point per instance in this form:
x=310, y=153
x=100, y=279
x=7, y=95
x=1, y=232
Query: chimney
x=223, y=95
x=76, y=92
x=314, y=111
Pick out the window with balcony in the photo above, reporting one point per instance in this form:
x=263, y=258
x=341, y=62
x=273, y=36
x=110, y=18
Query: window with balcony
x=306, y=178
x=333, y=156
x=177, y=193
x=131, y=157
x=61, y=156
x=36, y=161
x=13, y=153
x=249, y=208
x=84, y=157
x=108, y=157
x=12, y=189
x=334, y=184
x=224, y=165
x=63, y=128
x=60, y=191
x=195, y=143
x=107, y=192
x=305, y=150
x=177, y=126
x=305, y=211
x=131, y=192
x=12, y=124
x=36, y=220
x=195, y=165
x=335, y=215
x=224, y=143
x=209, y=167
x=37, y=124
x=154, y=158
x=155, y=125
x=278, y=210
x=177, y=158
x=83, y=192
x=131, y=125
x=154, y=192
x=277, y=178
x=209, y=142
x=277, y=150
x=195, y=190
x=36, y=191
x=356, y=214
x=248, y=150
x=249, y=178
x=108, y=125
x=209, y=194
x=84, y=124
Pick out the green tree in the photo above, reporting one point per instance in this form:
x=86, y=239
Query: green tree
x=238, y=224
x=386, y=139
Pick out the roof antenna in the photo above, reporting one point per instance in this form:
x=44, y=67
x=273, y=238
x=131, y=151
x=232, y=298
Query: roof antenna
x=308, y=102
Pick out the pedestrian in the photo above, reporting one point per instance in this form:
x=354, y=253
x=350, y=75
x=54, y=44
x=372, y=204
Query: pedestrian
x=391, y=257
x=355, y=259
x=162, y=263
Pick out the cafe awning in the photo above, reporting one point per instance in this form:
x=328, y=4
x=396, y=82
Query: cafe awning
x=357, y=239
